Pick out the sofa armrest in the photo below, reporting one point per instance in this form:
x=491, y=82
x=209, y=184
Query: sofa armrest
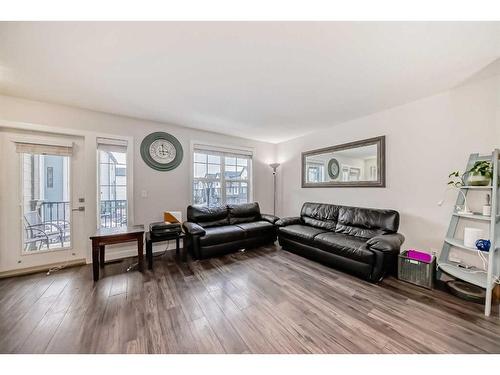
x=270, y=218
x=283, y=222
x=386, y=242
x=193, y=229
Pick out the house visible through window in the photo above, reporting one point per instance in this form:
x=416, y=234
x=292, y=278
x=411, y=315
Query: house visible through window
x=112, y=163
x=221, y=177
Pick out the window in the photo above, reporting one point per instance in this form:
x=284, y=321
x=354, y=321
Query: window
x=50, y=177
x=112, y=180
x=315, y=172
x=45, y=191
x=221, y=176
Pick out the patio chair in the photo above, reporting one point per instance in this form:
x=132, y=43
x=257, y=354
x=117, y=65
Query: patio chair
x=44, y=231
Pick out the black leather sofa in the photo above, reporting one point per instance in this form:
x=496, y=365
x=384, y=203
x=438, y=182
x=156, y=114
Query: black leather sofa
x=362, y=241
x=213, y=231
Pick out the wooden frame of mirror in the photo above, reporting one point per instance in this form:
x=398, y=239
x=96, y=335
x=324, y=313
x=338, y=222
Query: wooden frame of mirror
x=379, y=182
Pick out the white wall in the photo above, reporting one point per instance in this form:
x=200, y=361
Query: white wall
x=166, y=190
x=425, y=141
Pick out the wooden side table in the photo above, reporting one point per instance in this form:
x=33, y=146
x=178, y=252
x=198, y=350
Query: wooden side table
x=150, y=239
x=110, y=236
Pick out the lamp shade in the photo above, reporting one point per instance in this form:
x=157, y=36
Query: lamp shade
x=274, y=166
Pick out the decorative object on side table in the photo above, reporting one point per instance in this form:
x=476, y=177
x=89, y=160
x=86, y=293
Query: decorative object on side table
x=161, y=151
x=417, y=267
x=172, y=217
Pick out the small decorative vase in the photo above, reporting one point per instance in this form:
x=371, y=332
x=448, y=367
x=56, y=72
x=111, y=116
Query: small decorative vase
x=487, y=210
x=478, y=180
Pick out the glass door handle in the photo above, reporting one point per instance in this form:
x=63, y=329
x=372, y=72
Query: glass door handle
x=81, y=208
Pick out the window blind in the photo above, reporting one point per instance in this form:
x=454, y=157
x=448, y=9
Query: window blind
x=112, y=145
x=43, y=149
x=222, y=150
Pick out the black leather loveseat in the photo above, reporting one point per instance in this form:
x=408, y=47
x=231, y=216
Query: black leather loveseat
x=362, y=241
x=213, y=231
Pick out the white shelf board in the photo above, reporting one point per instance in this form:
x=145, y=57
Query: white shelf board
x=459, y=243
x=473, y=216
x=473, y=276
x=476, y=187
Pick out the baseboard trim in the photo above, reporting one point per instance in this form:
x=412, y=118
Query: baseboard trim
x=29, y=270
x=112, y=255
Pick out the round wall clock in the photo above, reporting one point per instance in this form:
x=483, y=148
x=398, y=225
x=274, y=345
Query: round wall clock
x=161, y=151
x=333, y=169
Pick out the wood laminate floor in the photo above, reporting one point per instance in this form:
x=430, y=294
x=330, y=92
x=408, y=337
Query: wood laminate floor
x=259, y=301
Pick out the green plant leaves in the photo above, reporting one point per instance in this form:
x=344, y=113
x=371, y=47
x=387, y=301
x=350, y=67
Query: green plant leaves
x=482, y=168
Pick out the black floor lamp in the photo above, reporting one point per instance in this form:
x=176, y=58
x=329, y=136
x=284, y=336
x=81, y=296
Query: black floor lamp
x=274, y=166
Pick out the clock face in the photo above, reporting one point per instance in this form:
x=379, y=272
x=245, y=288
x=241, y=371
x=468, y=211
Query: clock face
x=162, y=151
x=333, y=169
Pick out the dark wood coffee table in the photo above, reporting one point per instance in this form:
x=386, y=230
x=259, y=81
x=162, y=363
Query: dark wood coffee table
x=110, y=236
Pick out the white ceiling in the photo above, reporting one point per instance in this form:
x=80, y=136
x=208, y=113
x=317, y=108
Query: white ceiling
x=269, y=81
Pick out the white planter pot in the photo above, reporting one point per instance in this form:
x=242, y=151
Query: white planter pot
x=478, y=180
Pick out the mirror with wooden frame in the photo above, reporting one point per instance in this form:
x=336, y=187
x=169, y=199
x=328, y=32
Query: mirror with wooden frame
x=354, y=164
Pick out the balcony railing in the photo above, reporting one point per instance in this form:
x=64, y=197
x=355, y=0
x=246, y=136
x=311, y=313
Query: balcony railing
x=112, y=213
x=55, y=212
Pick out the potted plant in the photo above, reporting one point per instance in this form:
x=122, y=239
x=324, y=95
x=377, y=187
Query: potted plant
x=457, y=179
x=480, y=174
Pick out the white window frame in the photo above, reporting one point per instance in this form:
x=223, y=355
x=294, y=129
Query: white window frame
x=119, y=142
x=226, y=151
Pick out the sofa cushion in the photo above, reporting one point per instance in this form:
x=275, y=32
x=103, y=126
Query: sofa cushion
x=320, y=215
x=366, y=222
x=243, y=213
x=222, y=234
x=208, y=216
x=301, y=232
x=344, y=245
x=257, y=228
